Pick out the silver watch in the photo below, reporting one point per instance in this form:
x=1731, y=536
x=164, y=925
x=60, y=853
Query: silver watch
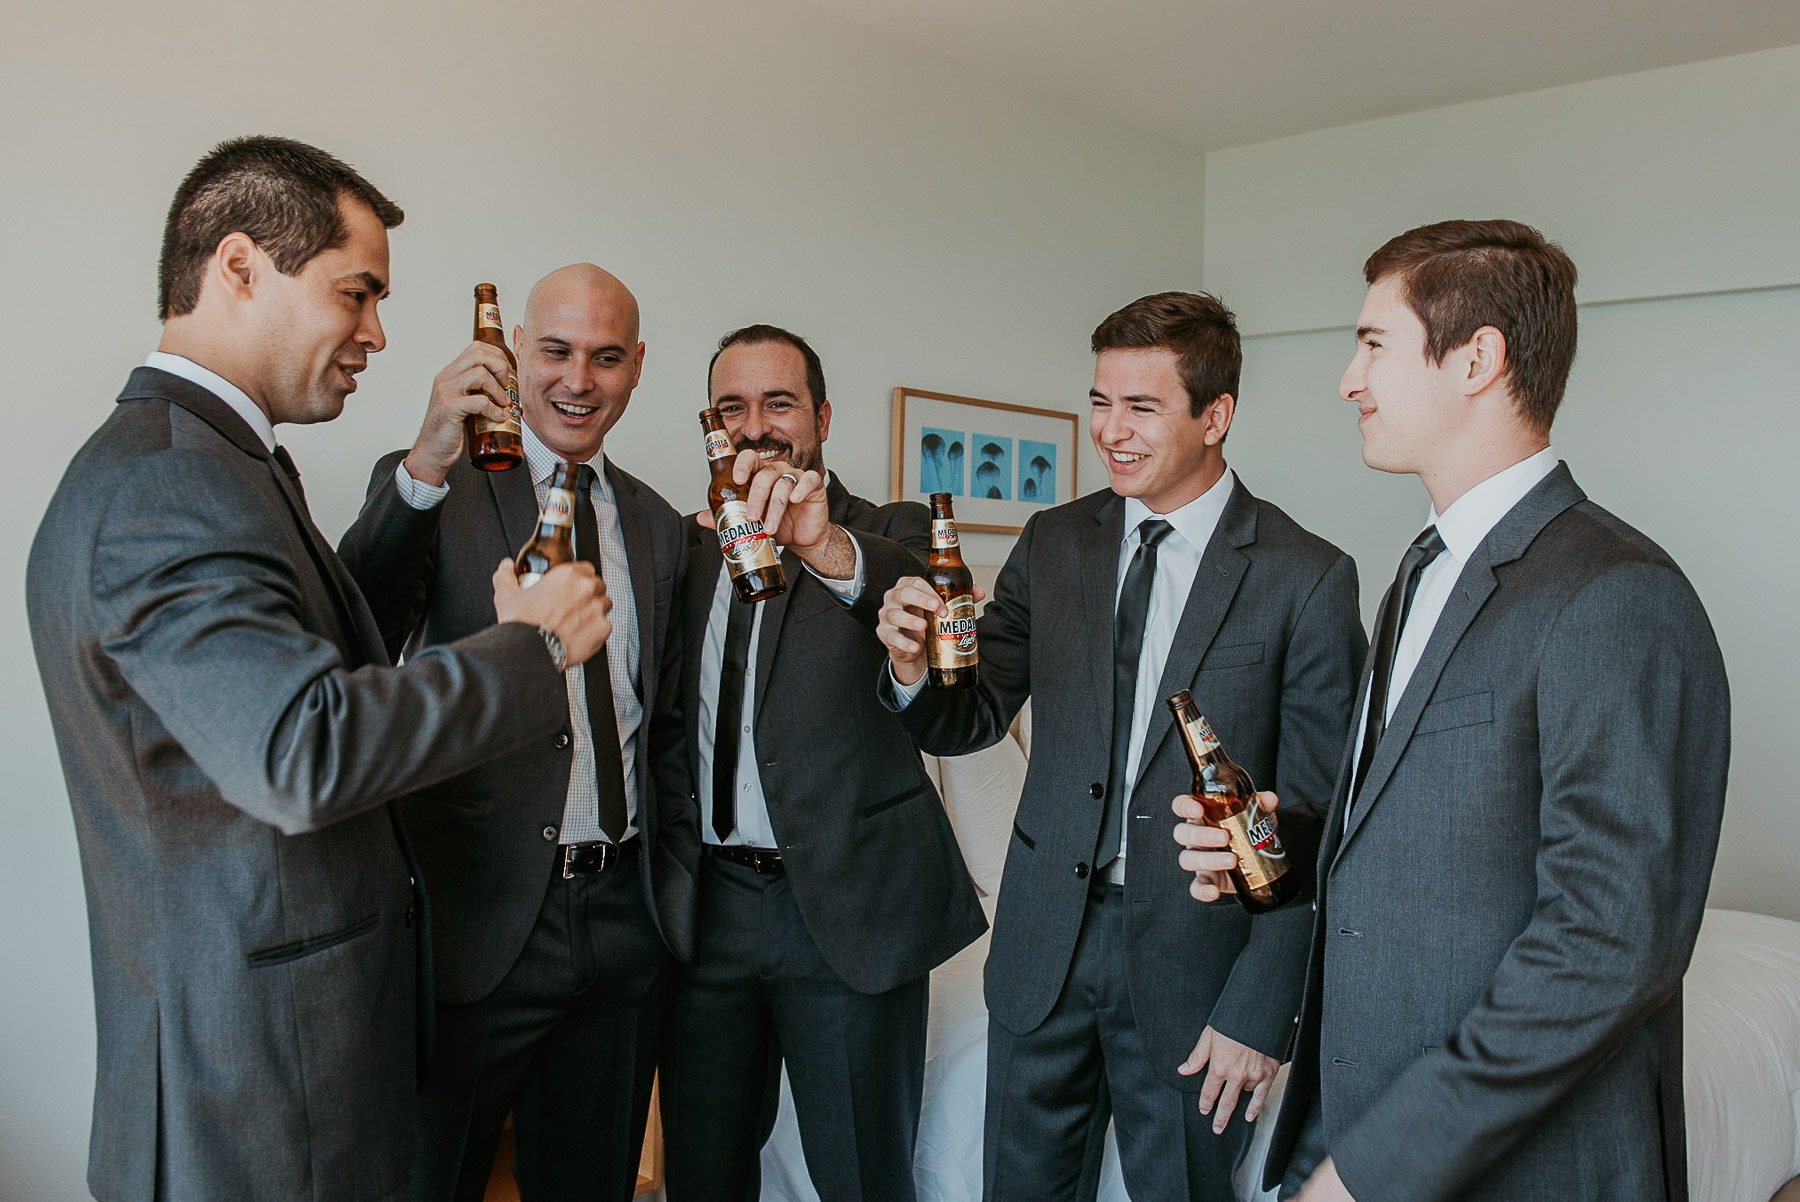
x=559, y=655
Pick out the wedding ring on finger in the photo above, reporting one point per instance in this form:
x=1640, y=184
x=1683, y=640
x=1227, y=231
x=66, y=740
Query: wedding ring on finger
x=789, y=477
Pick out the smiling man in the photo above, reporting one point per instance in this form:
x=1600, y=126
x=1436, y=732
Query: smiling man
x=1112, y=994
x=560, y=875
x=230, y=727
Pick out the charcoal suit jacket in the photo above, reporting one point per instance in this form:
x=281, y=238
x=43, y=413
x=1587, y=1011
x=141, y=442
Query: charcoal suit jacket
x=1493, y=1005
x=232, y=733
x=1269, y=643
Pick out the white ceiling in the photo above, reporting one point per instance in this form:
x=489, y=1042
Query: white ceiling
x=1216, y=73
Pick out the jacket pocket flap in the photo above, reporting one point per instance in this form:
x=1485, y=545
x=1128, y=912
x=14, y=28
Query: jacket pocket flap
x=888, y=803
x=1235, y=656
x=301, y=948
x=1468, y=710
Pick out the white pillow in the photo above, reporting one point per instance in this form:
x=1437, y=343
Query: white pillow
x=981, y=793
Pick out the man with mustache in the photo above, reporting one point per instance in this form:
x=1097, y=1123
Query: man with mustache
x=230, y=726
x=560, y=875
x=831, y=883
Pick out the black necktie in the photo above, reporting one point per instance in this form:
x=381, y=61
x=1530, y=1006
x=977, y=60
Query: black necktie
x=1128, y=644
x=287, y=465
x=1424, y=549
x=730, y=716
x=603, y=721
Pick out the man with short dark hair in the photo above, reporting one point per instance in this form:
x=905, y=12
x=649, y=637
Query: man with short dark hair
x=561, y=874
x=831, y=883
x=1109, y=990
x=1515, y=863
x=230, y=726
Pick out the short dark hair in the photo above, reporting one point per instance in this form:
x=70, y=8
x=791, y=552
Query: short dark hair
x=1195, y=326
x=756, y=335
x=1459, y=276
x=280, y=193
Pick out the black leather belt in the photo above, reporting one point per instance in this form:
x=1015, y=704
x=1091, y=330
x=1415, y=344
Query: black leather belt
x=586, y=859
x=758, y=860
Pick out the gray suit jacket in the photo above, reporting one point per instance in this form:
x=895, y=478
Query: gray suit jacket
x=870, y=855
x=231, y=733
x=1494, y=1004
x=1269, y=643
x=479, y=836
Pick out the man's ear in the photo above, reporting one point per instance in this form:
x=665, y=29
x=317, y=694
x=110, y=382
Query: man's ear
x=1217, y=417
x=236, y=264
x=824, y=420
x=1486, y=353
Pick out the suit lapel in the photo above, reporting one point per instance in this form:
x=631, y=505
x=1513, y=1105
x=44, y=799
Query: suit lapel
x=1506, y=542
x=640, y=553
x=775, y=609
x=1098, y=555
x=353, y=612
x=704, y=565
x=1222, y=568
x=516, y=504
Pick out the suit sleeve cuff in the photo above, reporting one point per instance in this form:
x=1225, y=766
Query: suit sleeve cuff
x=849, y=590
x=899, y=696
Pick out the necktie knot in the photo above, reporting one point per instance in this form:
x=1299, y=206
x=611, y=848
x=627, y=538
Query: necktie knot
x=1153, y=530
x=1425, y=548
x=584, y=480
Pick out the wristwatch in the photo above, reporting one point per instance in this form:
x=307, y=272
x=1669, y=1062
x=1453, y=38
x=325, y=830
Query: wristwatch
x=559, y=655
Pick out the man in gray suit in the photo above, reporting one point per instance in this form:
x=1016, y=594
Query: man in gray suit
x=561, y=875
x=229, y=724
x=832, y=883
x=1108, y=988
x=1513, y=871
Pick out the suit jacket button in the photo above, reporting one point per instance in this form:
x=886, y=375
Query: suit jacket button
x=549, y=834
x=1096, y=790
x=562, y=739
x=412, y=915
x=1081, y=870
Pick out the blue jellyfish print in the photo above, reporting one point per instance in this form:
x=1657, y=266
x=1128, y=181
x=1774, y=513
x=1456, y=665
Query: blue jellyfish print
x=993, y=467
x=1037, y=472
x=941, y=460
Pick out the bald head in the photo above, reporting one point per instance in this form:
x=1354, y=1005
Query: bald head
x=579, y=358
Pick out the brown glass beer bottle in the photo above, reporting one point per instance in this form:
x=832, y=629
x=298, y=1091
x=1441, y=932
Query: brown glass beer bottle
x=554, y=540
x=1228, y=797
x=495, y=446
x=749, y=552
x=952, y=660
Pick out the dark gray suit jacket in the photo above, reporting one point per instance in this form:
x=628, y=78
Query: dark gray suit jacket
x=1494, y=1003
x=479, y=836
x=231, y=733
x=869, y=851
x=1269, y=643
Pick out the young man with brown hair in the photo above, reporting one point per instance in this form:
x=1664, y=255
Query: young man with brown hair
x=1513, y=870
x=1111, y=993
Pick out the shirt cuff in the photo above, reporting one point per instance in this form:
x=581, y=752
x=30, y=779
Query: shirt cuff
x=903, y=693
x=417, y=494
x=849, y=590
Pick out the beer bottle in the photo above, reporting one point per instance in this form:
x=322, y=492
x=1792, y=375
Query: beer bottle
x=495, y=446
x=756, y=573
x=553, y=542
x=952, y=660
x=1228, y=799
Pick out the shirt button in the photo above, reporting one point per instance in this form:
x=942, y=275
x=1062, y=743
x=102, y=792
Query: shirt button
x=549, y=834
x=1081, y=870
x=1096, y=790
x=562, y=741
x=746, y=730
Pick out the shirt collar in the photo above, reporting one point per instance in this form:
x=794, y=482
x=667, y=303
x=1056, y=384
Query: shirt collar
x=1194, y=521
x=219, y=386
x=542, y=461
x=1472, y=515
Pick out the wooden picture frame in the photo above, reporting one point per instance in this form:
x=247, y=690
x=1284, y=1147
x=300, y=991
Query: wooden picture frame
x=1001, y=463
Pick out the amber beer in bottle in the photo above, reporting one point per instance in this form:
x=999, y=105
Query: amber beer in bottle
x=554, y=542
x=1228, y=799
x=495, y=446
x=952, y=660
x=749, y=552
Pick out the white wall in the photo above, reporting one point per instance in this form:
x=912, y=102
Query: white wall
x=731, y=161
x=1681, y=414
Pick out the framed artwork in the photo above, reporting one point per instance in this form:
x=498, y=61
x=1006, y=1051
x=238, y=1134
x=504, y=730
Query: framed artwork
x=1001, y=463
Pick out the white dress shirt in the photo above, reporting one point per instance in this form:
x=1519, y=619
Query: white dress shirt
x=581, y=809
x=753, y=826
x=219, y=386
x=1462, y=527
x=1177, y=563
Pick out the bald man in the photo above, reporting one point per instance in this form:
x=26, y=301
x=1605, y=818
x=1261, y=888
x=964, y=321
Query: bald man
x=559, y=878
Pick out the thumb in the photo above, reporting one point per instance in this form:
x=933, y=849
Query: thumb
x=506, y=579
x=705, y=518
x=1199, y=1056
